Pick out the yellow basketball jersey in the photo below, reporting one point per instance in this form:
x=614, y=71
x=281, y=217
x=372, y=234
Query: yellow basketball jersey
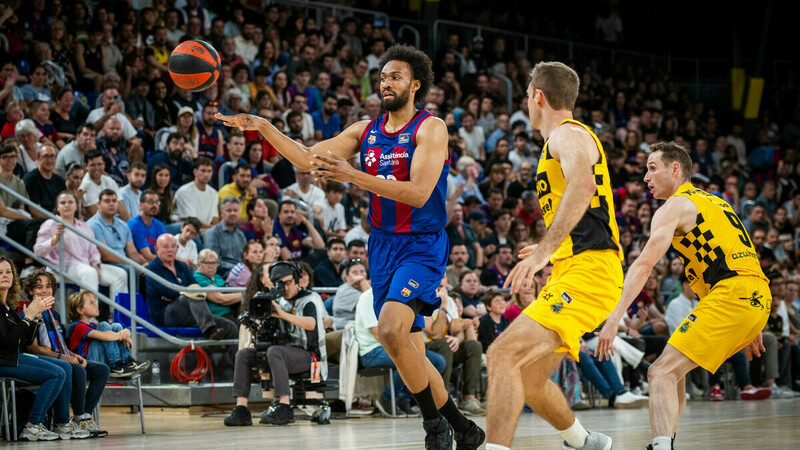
x=597, y=229
x=718, y=247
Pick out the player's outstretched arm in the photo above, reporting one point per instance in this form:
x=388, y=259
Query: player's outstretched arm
x=666, y=221
x=426, y=166
x=576, y=150
x=345, y=144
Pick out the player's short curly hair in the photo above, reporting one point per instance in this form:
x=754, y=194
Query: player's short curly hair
x=421, y=66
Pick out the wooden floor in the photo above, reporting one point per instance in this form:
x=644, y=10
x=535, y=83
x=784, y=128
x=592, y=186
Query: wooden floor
x=762, y=425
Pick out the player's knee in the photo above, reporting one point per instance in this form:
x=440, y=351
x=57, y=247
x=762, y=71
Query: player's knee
x=391, y=336
x=661, y=373
x=496, y=356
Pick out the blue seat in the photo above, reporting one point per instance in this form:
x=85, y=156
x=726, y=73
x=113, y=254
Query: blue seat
x=143, y=312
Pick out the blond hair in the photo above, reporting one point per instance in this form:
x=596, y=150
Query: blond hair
x=76, y=302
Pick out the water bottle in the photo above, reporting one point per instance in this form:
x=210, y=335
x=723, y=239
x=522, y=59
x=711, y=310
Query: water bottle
x=155, y=371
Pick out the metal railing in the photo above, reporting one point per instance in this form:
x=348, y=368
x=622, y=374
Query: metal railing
x=334, y=8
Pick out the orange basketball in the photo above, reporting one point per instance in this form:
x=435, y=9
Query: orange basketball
x=194, y=65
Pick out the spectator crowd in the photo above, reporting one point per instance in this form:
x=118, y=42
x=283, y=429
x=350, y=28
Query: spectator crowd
x=94, y=131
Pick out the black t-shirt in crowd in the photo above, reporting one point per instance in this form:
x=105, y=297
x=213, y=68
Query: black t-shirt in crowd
x=43, y=191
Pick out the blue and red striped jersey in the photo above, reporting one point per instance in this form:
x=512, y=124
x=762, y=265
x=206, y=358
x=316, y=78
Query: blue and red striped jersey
x=388, y=155
x=79, y=339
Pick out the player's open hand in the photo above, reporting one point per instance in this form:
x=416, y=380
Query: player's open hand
x=521, y=277
x=241, y=121
x=332, y=167
x=755, y=348
x=605, y=340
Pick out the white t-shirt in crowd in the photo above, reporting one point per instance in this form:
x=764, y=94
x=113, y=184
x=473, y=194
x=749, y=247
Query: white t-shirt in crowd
x=332, y=217
x=366, y=319
x=92, y=191
x=128, y=131
x=474, y=140
x=314, y=196
x=677, y=310
x=188, y=251
x=357, y=232
x=192, y=202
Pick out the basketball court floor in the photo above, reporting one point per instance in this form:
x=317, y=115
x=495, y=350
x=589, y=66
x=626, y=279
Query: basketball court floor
x=762, y=425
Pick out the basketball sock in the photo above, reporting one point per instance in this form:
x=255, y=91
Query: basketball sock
x=457, y=420
x=496, y=447
x=426, y=404
x=575, y=435
x=662, y=443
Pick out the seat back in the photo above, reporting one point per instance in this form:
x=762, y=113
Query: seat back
x=143, y=312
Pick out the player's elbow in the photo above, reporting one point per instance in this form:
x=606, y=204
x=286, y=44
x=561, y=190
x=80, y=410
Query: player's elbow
x=417, y=199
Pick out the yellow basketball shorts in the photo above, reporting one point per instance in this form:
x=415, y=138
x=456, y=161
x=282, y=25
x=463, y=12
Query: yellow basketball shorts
x=580, y=294
x=724, y=321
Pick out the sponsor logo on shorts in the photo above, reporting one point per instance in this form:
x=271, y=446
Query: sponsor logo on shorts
x=685, y=327
x=566, y=297
x=557, y=307
x=692, y=317
x=405, y=292
x=404, y=138
x=755, y=300
x=413, y=284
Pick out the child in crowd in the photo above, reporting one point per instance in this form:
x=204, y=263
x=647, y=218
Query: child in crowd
x=493, y=323
x=102, y=342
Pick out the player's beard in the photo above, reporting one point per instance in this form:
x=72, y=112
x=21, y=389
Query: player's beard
x=398, y=102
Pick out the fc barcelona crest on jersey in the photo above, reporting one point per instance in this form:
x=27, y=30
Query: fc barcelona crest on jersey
x=371, y=139
x=405, y=292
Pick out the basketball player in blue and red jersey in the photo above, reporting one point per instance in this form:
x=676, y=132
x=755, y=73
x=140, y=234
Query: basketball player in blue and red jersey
x=404, y=162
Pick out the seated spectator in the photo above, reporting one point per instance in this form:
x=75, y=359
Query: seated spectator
x=225, y=238
x=240, y=273
x=372, y=354
x=304, y=190
x=495, y=275
x=115, y=151
x=307, y=344
x=243, y=187
x=14, y=114
x=356, y=281
x=133, y=190
x=186, y=127
x=332, y=214
x=259, y=223
x=457, y=266
x=469, y=288
x=211, y=142
x=36, y=89
x=254, y=158
x=161, y=184
x=359, y=232
x=197, y=198
x=456, y=342
x=461, y=233
x=100, y=342
x=299, y=106
x=74, y=178
x=357, y=250
x=626, y=217
x=73, y=152
x=15, y=334
x=42, y=183
x=354, y=204
x=603, y=376
x=295, y=241
x=495, y=180
x=468, y=178
x=680, y=306
x=223, y=304
x=328, y=273
x=326, y=121
x=235, y=154
x=494, y=322
x=169, y=308
x=112, y=231
x=40, y=114
x=112, y=108
x=521, y=300
x=530, y=210
x=145, y=228
x=180, y=169
x=96, y=181
x=81, y=258
x=187, y=248
x=473, y=136
x=644, y=315
x=27, y=136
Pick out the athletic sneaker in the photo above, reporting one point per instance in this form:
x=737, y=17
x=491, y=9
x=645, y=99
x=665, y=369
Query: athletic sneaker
x=120, y=370
x=780, y=392
x=407, y=408
x=359, y=408
x=755, y=393
x=137, y=367
x=71, y=431
x=278, y=414
x=472, y=407
x=240, y=417
x=628, y=400
x=595, y=441
x=37, y=432
x=471, y=439
x=384, y=406
x=439, y=434
x=716, y=395
x=92, y=427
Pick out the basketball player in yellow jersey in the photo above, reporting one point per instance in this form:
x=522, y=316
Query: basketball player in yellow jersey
x=723, y=270
x=582, y=241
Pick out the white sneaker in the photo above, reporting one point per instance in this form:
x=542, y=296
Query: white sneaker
x=781, y=392
x=38, y=432
x=71, y=431
x=629, y=400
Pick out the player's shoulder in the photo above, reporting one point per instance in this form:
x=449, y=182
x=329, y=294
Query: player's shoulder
x=432, y=126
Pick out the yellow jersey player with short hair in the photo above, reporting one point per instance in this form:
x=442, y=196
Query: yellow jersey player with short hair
x=582, y=241
x=724, y=271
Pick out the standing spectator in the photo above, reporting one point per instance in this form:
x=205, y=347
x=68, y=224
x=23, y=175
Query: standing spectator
x=328, y=273
x=197, y=198
x=112, y=231
x=187, y=248
x=145, y=228
x=75, y=151
x=95, y=181
x=295, y=241
x=356, y=281
x=493, y=323
x=43, y=184
x=225, y=238
x=81, y=258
